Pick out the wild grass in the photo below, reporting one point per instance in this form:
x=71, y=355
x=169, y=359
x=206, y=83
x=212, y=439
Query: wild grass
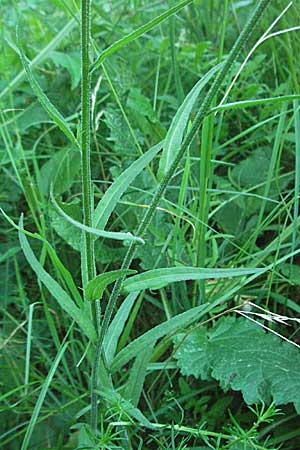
x=153, y=194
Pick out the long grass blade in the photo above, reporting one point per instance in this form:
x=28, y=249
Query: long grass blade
x=137, y=33
x=43, y=393
x=117, y=325
x=151, y=336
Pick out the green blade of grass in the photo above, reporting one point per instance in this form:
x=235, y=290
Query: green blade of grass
x=43, y=393
x=256, y=102
x=64, y=273
x=150, y=337
x=137, y=33
x=297, y=173
x=43, y=54
x=137, y=375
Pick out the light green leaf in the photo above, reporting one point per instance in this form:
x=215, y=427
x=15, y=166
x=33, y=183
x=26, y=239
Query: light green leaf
x=151, y=336
x=63, y=299
x=71, y=62
x=60, y=170
x=116, y=327
x=63, y=227
x=45, y=102
x=175, y=133
x=105, y=234
x=137, y=375
x=242, y=356
x=95, y=287
x=137, y=33
x=41, y=56
x=124, y=407
x=111, y=197
x=157, y=278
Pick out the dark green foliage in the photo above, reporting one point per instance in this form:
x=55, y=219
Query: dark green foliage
x=241, y=356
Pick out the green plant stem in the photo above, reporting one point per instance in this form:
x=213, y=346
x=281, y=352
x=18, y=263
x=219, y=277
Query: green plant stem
x=85, y=134
x=203, y=110
x=88, y=241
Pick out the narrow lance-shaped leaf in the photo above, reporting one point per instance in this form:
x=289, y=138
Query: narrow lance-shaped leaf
x=157, y=278
x=44, y=100
x=116, y=327
x=95, y=287
x=175, y=133
x=151, y=336
x=137, y=33
x=63, y=299
x=119, y=236
x=43, y=54
x=137, y=375
x=111, y=197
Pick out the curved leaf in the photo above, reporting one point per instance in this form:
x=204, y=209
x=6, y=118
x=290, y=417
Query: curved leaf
x=151, y=336
x=175, y=133
x=157, y=278
x=45, y=102
x=63, y=299
x=105, y=234
x=137, y=33
x=95, y=287
x=119, y=186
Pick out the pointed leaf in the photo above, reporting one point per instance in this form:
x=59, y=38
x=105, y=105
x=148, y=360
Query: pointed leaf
x=116, y=327
x=105, y=234
x=111, y=197
x=137, y=375
x=137, y=33
x=151, y=336
x=63, y=299
x=45, y=102
x=95, y=287
x=157, y=278
x=175, y=133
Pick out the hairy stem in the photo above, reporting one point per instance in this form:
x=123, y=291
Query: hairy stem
x=85, y=135
x=87, y=202
x=203, y=110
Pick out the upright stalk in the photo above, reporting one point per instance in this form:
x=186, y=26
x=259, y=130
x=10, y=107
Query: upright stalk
x=88, y=268
x=204, y=109
x=88, y=253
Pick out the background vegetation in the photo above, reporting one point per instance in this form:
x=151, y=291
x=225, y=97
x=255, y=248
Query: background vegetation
x=204, y=373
